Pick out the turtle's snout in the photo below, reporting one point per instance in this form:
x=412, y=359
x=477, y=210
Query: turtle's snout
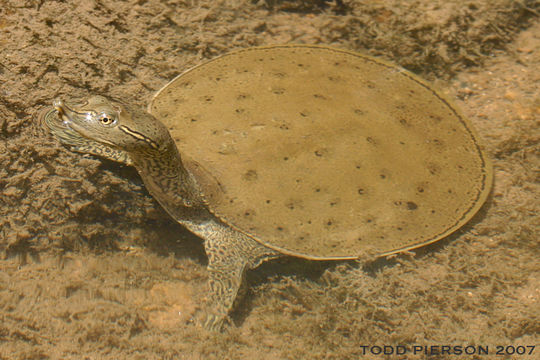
x=59, y=105
x=65, y=113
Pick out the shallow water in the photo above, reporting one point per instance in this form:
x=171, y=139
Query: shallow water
x=94, y=268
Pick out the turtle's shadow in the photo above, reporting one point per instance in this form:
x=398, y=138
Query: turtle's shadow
x=170, y=237
x=312, y=270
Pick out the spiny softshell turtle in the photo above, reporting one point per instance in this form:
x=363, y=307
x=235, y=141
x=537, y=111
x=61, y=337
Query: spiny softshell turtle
x=307, y=151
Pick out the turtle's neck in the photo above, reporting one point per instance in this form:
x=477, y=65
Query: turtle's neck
x=170, y=183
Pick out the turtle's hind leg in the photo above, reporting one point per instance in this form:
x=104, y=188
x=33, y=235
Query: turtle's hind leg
x=230, y=253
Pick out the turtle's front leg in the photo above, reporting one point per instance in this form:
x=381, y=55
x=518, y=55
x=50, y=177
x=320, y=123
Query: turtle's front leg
x=226, y=273
x=230, y=253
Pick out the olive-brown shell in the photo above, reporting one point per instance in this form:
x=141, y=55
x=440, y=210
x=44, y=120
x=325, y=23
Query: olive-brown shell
x=324, y=153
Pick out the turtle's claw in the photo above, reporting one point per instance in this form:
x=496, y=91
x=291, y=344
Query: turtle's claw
x=214, y=322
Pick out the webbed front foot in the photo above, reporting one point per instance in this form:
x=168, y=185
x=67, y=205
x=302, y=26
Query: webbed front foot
x=225, y=279
x=215, y=322
x=230, y=254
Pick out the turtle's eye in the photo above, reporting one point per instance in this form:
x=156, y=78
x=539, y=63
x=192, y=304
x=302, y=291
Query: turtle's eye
x=107, y=119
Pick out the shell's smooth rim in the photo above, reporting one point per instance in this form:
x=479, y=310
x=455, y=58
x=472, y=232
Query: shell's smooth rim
x=487, y=170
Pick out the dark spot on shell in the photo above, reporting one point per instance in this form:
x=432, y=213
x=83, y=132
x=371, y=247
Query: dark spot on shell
x=285, y=158
x=420, y=189
x=329, y=223
x=278, y=91
x=449, y=191
x=284, y=127
x=433, y=211
x=317, y=190
x=369, y=220
x=397, y=203
x=403, y=122
x=250, y=175
x=371, y=140
x=303, y=114
x=240, y=111
x=268, y=201
x=382, y=176
x=399, y=228
x=319, y=96
x=359, y=112
x=361, y=191
x=433, y=169
x=242, y=96
x=435, y=118
x=411, y=205
x=318, y=153
x=279, y=228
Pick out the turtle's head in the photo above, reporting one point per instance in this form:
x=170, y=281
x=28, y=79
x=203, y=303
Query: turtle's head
x=108, y=124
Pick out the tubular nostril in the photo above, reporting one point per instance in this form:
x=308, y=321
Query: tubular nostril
x=59, y=106
x=57, y=103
